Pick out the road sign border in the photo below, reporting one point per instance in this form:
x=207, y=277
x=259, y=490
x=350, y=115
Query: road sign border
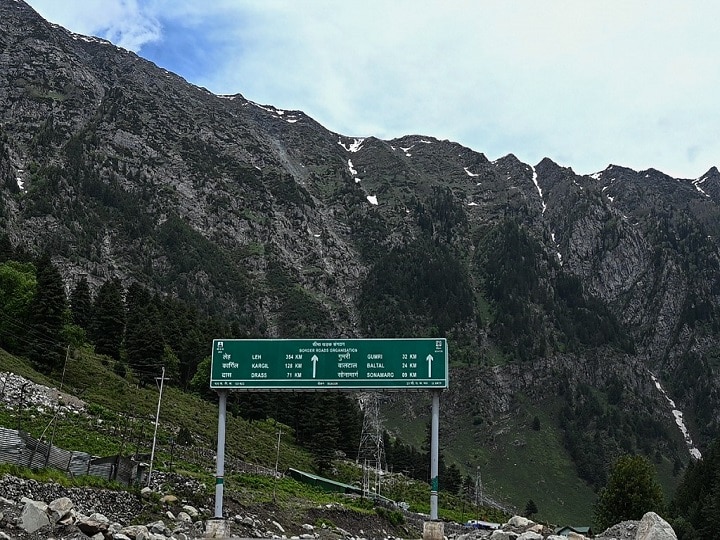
x=394, y=385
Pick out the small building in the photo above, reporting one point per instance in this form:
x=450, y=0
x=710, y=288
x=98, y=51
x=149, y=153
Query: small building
x=565, y=531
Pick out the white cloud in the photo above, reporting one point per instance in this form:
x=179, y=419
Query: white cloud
x=586, y=83
x=127, y=23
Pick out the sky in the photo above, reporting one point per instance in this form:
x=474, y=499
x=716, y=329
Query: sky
x=587, y=83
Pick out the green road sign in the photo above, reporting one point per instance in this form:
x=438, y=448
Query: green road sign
x=324, y=364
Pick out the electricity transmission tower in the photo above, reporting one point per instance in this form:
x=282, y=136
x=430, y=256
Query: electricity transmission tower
x=372, y=451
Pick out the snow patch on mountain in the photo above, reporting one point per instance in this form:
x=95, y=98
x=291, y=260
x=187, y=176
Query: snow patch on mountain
x=472, y=174
x=557, y=248
x=535, y=181
x=697, y=183
x=353, y=171
x=280, y=114
x=354, y=146
x=678, y=415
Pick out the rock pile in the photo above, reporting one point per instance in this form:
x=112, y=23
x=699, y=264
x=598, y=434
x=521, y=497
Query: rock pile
x=16, y=392
x=61, y=519
x=101, y=514
x=650, y=527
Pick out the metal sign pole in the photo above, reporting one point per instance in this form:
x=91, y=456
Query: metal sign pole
x=434, y=446
x=220, y=474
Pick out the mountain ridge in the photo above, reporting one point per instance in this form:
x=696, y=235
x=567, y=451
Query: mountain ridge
x=546, y=282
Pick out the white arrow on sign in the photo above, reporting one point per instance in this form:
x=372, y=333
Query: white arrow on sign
x=429, y=360
x=314, y=361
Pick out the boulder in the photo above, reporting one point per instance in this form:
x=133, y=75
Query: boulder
x=34, y=516
x=184, y=517
x=653, y=527
x=157, y=527
x=503, y=535
x=91, y=527
x=60, y=508
x=191, y=511
x=136, y=532
x=519, y=521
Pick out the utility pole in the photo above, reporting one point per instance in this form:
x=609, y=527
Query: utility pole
x=20, y=405
x=157, y=418
x=478, y=492
x=62, y=380
x=57, y=410
x=277, y=462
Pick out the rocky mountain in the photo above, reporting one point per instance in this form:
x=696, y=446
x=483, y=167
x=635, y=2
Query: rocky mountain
x=588, y=303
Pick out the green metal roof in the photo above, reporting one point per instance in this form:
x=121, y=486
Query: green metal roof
x=320, y=481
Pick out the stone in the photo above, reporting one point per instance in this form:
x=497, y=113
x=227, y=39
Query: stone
x=138, y=532
x=653, y=527
x=97, y=516
x=90, y=526
x=184, y=517
x=157, y=527
x=60, y=508
x=499, y=534
x=191, y=511
x=168, y=499
x=279, y=527
x=519, y=521
x=530, y=535
x=34, y=516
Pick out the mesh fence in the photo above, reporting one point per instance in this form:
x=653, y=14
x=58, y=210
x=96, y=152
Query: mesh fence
x=19, y=448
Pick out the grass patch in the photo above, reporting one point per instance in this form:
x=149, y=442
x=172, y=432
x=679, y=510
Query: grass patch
x=121, y=416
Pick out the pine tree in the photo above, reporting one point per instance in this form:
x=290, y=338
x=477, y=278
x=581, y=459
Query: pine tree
x=17, y=290
x=530, y=508
x=6, y=249
x=326, y=430
x=631, y=491
x=350, y=422
x=143, y=340
x=81, y=304
x=47, y=317
x=109, y=323
x=452, y=479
